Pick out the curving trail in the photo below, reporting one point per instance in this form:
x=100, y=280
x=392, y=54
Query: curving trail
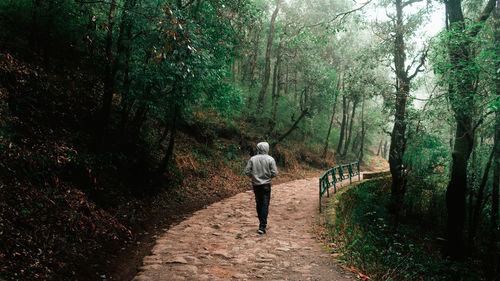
x=221, y=242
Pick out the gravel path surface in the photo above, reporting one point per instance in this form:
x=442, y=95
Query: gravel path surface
x=221, y=241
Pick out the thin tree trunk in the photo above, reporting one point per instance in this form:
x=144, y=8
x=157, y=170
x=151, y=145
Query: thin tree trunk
x=478, y=207
x=123, y=46
x=276, y=86
x=267, y=71
x=349, y=135
x=127, y=103
x=363, y=133
x=296, y=93
x=170, y=149
x=286, y=81
x=255, y=54
x=108, y=80
x=355, y=141
x=342, y=125
x=293, y=127
x=327, y=141
x=379, y=149
x=385, y=149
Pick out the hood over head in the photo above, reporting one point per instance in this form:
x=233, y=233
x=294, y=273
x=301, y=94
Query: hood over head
x=263, y=148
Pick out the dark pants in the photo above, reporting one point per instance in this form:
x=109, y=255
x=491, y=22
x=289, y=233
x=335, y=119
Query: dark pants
x=262, y=198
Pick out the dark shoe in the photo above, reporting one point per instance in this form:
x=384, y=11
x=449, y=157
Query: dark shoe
x=261, y=231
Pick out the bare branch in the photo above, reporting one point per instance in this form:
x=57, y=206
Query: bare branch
x=409, y=2
x=393, y=18
x=341, y=15
x=422, y=62
x=480, y=121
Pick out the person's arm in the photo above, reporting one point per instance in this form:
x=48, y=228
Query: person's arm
x=248, y=168
x=274, y=168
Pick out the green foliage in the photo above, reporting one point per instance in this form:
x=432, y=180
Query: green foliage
x=369, y=241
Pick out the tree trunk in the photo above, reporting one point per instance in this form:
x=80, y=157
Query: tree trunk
x=327, y=141
x=123, y=61
x=267, y=71
x=478, y=207
x=471, y=190
x=397, y=148
x=108, y=80
x=255, y=54
x=363, y=133
x=456, y=191
x=294, y=126
x=276, y=87
x=379, y=149
x=461, y=92
x=342, y=125
x=492, y=250
x=385, y=149
x=127, y=103
x=349, y=135
x=171, y=141
x=295, y=93
x=286, y=81
x=355, y=142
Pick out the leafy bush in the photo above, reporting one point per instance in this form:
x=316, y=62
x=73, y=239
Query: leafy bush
x=364, y=232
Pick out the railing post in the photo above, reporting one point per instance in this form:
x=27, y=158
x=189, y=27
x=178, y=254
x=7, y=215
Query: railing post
x=349, y=171
x=320, y=195
x=334, y=180
x=359, y=172
x=327, y=187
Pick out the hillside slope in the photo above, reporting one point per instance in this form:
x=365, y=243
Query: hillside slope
x=69, y=212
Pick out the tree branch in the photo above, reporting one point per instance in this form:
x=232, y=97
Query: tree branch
x=409, y=2
x=482, y=18
x=480, y=121
x=341, y=15
x=422, y=62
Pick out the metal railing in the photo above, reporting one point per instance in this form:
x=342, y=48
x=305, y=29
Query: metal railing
x=337, y=175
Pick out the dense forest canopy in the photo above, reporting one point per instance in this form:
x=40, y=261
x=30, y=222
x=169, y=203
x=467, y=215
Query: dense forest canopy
x=323, y=81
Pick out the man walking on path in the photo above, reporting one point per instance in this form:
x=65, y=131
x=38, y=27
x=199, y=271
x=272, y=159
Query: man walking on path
x=262, y=168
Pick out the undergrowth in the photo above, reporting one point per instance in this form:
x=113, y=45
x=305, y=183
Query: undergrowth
x=359, y=227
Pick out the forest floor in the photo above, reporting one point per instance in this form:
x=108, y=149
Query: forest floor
x=221, y=241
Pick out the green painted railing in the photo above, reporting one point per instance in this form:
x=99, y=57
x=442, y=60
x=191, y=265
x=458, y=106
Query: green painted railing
x=336, y=175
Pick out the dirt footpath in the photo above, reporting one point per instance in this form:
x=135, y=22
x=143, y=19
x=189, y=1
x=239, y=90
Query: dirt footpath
x=221, y=241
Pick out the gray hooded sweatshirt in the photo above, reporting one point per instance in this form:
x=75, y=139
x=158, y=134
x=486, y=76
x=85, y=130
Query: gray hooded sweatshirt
x=261, y=167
